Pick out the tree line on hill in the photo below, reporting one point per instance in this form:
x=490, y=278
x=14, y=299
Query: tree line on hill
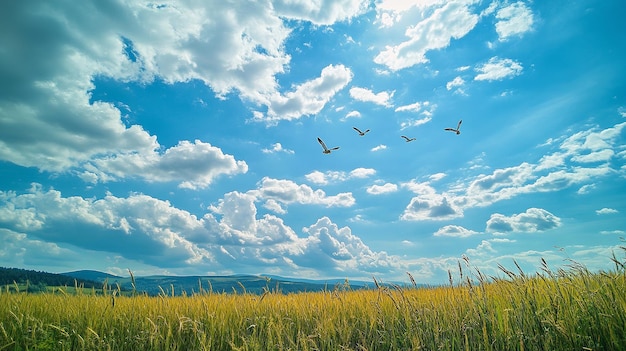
x=38, y=281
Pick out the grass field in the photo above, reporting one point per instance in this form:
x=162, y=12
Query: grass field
x=570, y=309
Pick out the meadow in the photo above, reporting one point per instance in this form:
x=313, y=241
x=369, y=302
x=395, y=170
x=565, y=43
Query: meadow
x=568, y=309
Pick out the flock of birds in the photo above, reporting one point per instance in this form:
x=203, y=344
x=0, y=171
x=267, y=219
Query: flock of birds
x=362, y=133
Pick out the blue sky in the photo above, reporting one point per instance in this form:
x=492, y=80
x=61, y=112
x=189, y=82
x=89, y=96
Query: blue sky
x=181, y=138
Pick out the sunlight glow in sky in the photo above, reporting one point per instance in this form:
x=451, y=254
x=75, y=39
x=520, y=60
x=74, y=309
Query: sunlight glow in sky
x=180, y=137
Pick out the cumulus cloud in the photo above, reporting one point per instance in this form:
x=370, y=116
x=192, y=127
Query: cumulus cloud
x=513, y=20
x=277, y=147
x=194, y=165
x=61, y=129
x=363, y=94
x=553, y=172
x=382, y=189
x=19, y=247
x=144, y=229
x=288, y=192
x=431, y=207
x=606, y=210
x=454, y=231
x=331, y=246
x=307, y=98
x=497, y=69
x=533, y=220
x=140, y=227
x=320, y=12
x=453, y=20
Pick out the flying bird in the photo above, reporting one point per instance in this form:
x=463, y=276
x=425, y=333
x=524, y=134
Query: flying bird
x=360, y=132
x=326, y=150
x=407, y=138
x=457, y=131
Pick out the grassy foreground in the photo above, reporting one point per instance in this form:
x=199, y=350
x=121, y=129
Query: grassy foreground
x=564, y=310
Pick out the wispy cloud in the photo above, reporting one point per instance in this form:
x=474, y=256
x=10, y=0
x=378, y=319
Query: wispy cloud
x=379, y=148
x=353, y=114
x=414, y=107
x=457, y=83
x=451, y=21
x=497, y=69
x=321, y=178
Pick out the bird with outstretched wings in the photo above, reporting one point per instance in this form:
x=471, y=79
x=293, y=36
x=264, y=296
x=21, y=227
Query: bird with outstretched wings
x=326, y=150
x=458, y=126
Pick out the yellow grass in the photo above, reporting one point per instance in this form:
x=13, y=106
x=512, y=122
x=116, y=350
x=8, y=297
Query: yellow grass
x=573, y=310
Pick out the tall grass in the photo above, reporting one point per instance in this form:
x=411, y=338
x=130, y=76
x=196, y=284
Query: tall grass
x=570, y=309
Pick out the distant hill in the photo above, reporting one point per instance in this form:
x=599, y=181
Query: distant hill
x=159, y=284
x=95, y=276
x=21, y=276
x=177, y=285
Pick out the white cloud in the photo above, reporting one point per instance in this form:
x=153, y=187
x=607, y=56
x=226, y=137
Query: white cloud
x=382, y=189
x=484, y=249
x=425, y=109
x=514, y=19
x=454, y=231
x=277, y=147
x=194, y=165
x=431, y=207
x=288, y=192
x=152, y=231
x=363, y=94
x=18, y=247
x=379, y=148
x=526, y=178
x=139, y=227
x=498, y=69
x=362, y=172
x=60, y=129
x=317, y=177
x=414, y=122
x=320, y=178
x=613, y=232
x=437, y=176
x=586, y=189
x=329, y=245
x=353, y=114
x=606, y=210
x=453, y=20
x=423, y=188
x=457, y=82
x=307, y=98
x=320, y=12
x=414, y=107
x=533, y=220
